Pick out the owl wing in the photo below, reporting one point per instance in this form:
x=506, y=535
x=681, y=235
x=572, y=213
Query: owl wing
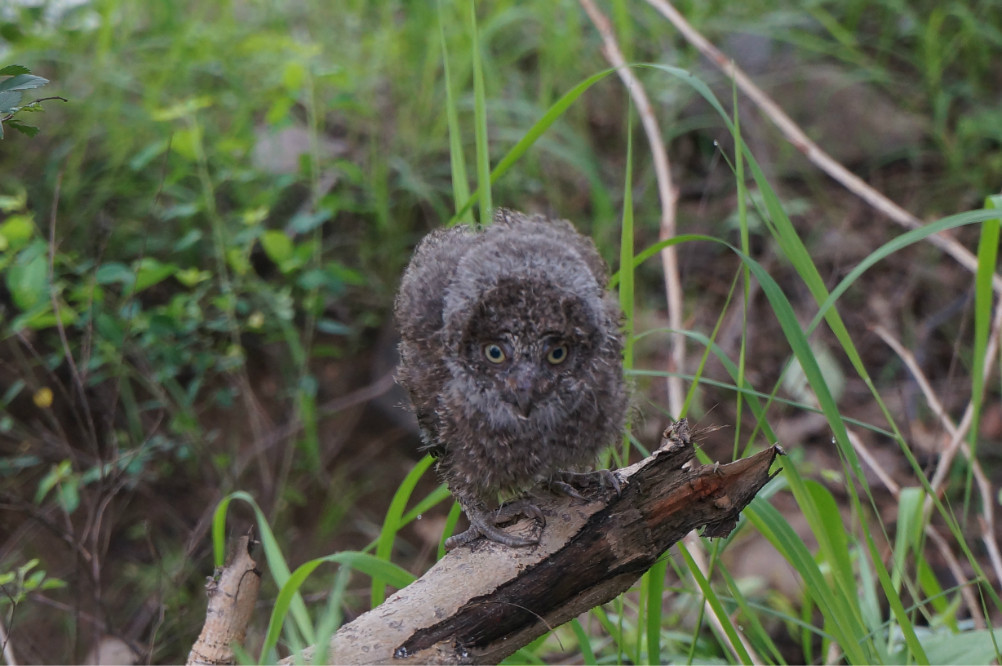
x=418, y=310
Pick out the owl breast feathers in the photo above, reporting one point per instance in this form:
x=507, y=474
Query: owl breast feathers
x=511, y=352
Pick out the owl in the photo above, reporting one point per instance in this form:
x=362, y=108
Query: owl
x=511, y=351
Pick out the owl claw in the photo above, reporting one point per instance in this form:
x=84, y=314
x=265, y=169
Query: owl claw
x=567, y=482
x=485, y=523
x=564, y=488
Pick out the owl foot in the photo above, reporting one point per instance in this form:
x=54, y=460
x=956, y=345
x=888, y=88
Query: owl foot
x=567, y=483
x=484, y=523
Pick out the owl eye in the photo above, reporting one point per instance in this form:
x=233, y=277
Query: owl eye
x=557, y=355
x=494, y=353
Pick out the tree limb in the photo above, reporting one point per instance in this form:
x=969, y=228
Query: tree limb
x=482, y=602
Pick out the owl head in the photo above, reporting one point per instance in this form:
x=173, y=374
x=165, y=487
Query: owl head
x=528, y=328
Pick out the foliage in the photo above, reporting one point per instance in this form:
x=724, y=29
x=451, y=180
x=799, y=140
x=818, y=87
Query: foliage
x=12, y=90
x=213, y=228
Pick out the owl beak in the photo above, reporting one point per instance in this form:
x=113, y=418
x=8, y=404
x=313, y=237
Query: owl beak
x=524, y=401
x=521, y=386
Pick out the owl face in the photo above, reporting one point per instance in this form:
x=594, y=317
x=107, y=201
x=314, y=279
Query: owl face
x=522, y=351
x=523, y=372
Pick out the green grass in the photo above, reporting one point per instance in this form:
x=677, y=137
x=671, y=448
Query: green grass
x=178, y=344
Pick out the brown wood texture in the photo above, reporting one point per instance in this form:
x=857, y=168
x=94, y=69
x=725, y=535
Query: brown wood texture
x=232, y=594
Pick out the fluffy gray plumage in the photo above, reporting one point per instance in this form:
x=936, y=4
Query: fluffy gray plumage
x=512, y=354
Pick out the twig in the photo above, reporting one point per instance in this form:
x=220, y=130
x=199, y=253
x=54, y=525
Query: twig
x=811, y=150
x=864, y=453
x=957, y=442
x=8, y=649
x=75, y=374
x=667, y=192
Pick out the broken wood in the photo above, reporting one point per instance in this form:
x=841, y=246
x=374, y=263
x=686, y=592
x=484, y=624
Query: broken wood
x=232, y=594
x=483, y=601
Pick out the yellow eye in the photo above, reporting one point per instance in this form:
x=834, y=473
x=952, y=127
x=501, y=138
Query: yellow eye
x=557, y=355
x=494, y=353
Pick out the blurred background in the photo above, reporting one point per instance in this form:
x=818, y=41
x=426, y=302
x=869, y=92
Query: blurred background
x=201, y=246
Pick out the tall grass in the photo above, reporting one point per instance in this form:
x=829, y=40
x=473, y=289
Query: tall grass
x=163, y=223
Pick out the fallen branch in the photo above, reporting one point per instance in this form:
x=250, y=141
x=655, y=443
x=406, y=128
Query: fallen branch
x=232, y=594
x=482, y=602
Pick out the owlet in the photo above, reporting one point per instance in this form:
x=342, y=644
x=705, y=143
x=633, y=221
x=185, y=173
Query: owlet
x=511, y=351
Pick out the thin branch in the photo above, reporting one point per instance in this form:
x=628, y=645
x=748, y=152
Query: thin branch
x=957, y=435
x=75, y=374
x=8, y=649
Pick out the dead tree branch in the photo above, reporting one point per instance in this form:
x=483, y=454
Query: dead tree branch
x=232, y=594
x=482, y=602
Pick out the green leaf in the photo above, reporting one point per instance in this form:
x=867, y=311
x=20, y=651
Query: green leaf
x=182, y=109
x=28, y=277
x=293, y=76
x=9, y=99
x=14, y=70
x=16, y=231
x=68, y=494
x=23, y=82
x=369, y=564
x=302, y=223
x=276, y=560
x=331, y=327
x=460, y=186
x=483, y=155
x=531, y=135
x=50, y=480
x=152, y=271
x=393, y=522
x=42, y=317
x=189, y=277
x=988, y=248
x=115, y=272
x=277, y=245
x=27, y=130
x=109, y=328
x=8, y=396
x=10, y=203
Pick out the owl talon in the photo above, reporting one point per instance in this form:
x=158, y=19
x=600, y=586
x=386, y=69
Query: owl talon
x=565, y=482
x=485, y=524
x=521, y=507
x=564, y=488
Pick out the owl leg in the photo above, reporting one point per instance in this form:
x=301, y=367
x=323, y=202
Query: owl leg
x=484, y=523
x=567, y=483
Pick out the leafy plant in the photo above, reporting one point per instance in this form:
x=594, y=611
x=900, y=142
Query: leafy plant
x=12, y=90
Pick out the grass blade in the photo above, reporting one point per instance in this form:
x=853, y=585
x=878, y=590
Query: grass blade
x=480, y=122
x=393, y=522
x=460, y=184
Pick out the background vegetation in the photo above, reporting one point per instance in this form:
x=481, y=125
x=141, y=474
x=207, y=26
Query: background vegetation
x=200, y=249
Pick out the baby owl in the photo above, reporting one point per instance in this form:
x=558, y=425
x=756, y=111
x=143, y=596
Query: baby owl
x=512, y=354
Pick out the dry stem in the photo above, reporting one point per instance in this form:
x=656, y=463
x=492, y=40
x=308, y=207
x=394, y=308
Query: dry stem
x=811, y=150
x=667, y=192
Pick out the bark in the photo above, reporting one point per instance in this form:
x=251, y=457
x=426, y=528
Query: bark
x=232, y=593
x=483, y=601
